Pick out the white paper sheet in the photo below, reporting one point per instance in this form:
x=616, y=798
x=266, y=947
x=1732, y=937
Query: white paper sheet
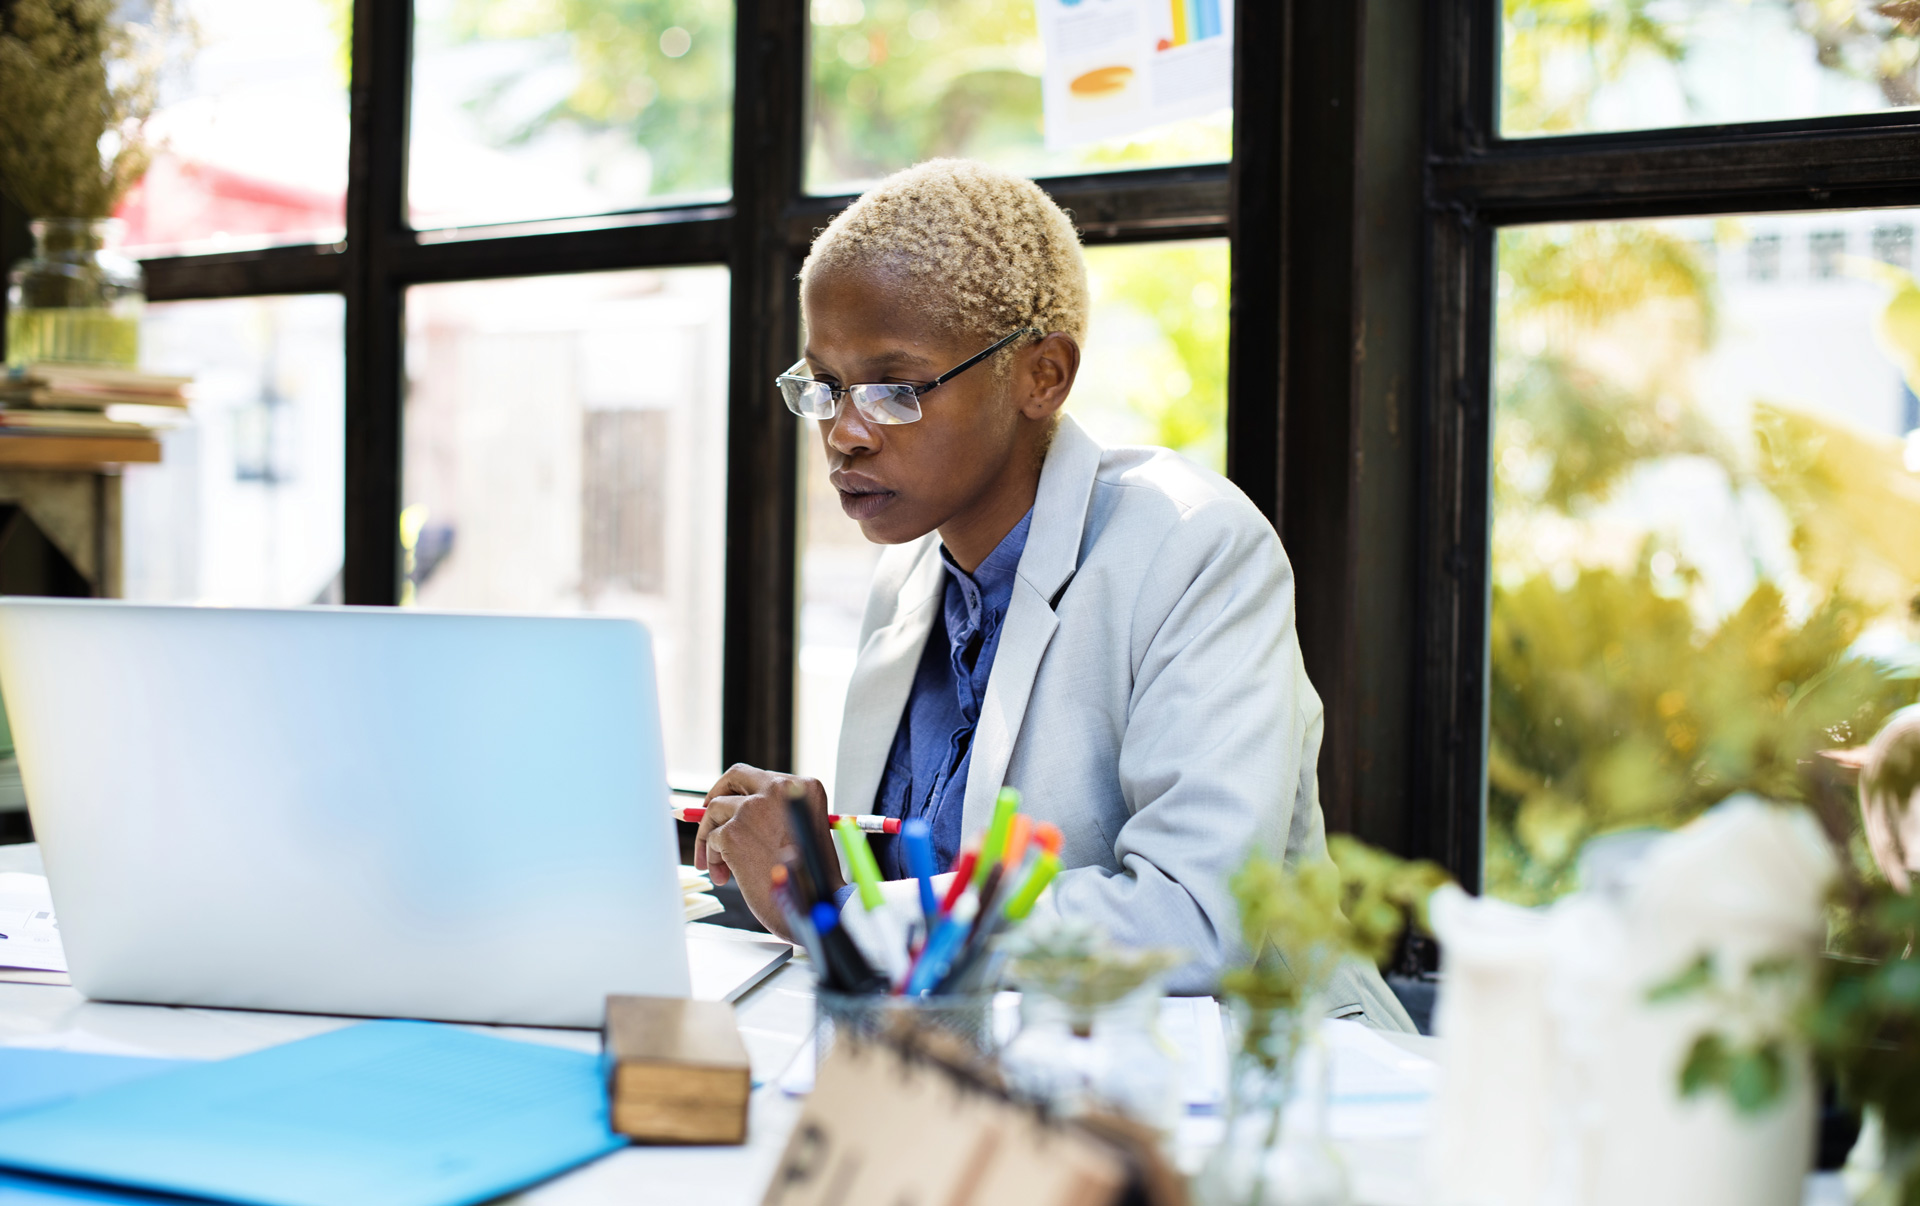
x=28, y=937
x=1116, y=67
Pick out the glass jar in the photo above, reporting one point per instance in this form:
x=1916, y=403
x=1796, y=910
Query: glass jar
x=881, y=1017
x=1273, y=1148
x=1079, y=1056
x=77, y=299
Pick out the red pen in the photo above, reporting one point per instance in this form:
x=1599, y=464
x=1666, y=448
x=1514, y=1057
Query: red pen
x=867, y=824
x=962, y=875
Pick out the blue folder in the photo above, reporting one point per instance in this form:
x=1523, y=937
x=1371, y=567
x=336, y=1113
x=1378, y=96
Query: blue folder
x=379, y=1114
x=29, y=1077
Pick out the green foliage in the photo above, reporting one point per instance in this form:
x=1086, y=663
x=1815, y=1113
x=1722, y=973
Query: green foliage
x=914, y=81
x=1752, y=1077
x=1072, y=960
x=1610, y=710
x=1568, y=435
x=1865, y=1021
x=1751, y=1072
x=1544, y=38
x=77, y=87
x=1180, y=390
x=658, y=72
x=1299, y=923
x=1591, y=272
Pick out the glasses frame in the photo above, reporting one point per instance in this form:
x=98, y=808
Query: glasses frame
x=872, y=408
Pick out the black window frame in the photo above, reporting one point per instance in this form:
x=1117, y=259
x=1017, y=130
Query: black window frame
x=760, y=233
x=1475, y=183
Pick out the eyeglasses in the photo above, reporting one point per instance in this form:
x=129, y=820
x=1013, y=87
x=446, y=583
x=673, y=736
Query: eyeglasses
x=886, y=404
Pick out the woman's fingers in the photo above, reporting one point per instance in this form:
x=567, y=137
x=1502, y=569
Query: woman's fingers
x=739, y=780
x=706, y=857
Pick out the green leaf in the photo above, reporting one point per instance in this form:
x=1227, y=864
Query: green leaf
x=1756, y=1078
x=1695, y=977
x=1897, y=985
x=1707, y=1066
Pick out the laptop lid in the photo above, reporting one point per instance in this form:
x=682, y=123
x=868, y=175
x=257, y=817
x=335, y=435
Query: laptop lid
x=367, y=811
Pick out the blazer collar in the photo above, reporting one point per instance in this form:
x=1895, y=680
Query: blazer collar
x=1048, y=565
x=1060, y=510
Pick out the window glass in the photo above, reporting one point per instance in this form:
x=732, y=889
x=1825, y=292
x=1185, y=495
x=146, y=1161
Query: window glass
x=1706, y=484
x=1575, y=66
x=1154, y=372
x=898, y=81
x=566, y=453
x=250, y=132
x=247, y=504
x=531, y=109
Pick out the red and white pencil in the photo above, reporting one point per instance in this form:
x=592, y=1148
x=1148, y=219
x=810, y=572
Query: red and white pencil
x=866, y=824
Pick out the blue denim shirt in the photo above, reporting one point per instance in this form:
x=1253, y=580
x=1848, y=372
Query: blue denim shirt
x=926, y=773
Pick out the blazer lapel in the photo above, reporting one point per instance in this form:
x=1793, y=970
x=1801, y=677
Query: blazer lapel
x=1048, y=564
x=882, y=680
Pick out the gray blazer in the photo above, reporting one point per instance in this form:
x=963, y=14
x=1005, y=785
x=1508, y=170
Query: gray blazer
x=1147, y=697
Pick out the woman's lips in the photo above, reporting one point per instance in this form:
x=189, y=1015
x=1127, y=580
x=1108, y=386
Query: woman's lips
x=865, y=504
x=861, y=497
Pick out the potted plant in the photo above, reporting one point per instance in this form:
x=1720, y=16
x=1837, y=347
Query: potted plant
x=77, y=88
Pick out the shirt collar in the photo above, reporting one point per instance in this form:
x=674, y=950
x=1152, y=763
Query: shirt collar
x=991, y=582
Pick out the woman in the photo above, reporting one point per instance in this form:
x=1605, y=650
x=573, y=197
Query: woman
x=1108, y=630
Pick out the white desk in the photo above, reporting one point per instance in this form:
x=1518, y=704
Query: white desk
x=775, y=1018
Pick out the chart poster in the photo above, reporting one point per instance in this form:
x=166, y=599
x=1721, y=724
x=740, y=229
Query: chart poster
x=1117, y=67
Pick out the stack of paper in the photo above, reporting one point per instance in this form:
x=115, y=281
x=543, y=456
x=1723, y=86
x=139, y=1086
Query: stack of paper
x=29, y=940
x=696, y=893
x=50, y=399
x=50, y=385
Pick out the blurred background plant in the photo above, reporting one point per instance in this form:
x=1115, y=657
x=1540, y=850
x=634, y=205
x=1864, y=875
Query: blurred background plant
x=78, y=81
x=1692, y=593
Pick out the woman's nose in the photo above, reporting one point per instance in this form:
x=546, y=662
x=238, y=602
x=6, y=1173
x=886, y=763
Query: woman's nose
x=849, y=433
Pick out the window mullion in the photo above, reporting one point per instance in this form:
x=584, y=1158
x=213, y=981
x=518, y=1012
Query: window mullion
x=376, y=221
x=770, y=77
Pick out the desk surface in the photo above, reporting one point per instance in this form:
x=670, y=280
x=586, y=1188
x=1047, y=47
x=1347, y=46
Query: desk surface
x=775, y=1019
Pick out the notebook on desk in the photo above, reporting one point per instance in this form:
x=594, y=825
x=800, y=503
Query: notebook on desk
x=379, y=1114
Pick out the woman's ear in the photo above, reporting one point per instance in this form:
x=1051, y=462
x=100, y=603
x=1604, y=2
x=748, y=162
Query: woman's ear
x=1048, y=373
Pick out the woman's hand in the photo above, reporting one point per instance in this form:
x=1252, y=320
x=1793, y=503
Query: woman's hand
x=745, y=832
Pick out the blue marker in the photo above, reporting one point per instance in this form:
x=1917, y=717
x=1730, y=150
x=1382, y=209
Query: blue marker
x=937, y=957
x=918, y=836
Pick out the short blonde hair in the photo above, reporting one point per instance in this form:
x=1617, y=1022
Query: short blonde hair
x=989, y=250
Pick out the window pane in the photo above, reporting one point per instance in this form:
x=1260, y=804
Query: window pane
x=251, y=133
x=566, y=453
x=247, y=504
x=530, y=109
x=1155, y=369
x=1593, y=65
x=1154, y=372
x=899, y=81
x=1706, y=484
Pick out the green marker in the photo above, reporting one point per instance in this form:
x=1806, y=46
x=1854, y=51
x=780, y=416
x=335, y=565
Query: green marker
x=1044, y=869
x=860, y=860
x=996, y=843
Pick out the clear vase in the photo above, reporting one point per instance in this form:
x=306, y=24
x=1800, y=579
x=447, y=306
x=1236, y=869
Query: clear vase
x=1084, y=1056
x=77, y=299
x=1273, y=1148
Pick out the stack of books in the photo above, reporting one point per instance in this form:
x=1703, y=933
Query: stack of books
x=63, y=409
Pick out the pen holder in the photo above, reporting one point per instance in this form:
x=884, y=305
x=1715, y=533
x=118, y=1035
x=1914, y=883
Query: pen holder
x=965, y=1021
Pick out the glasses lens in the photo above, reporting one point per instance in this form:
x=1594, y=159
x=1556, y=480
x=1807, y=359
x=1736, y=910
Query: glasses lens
x=889, y=404
x=807, y=398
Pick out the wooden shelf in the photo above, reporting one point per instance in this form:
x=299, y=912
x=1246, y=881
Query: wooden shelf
x=76, y=452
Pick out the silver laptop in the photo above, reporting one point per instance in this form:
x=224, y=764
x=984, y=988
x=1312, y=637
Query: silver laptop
x=361, y=811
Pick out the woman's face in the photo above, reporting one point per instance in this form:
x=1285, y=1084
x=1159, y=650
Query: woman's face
x=901, y=481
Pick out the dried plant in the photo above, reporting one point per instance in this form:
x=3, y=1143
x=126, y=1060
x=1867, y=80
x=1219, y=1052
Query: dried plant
x=77, y=87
